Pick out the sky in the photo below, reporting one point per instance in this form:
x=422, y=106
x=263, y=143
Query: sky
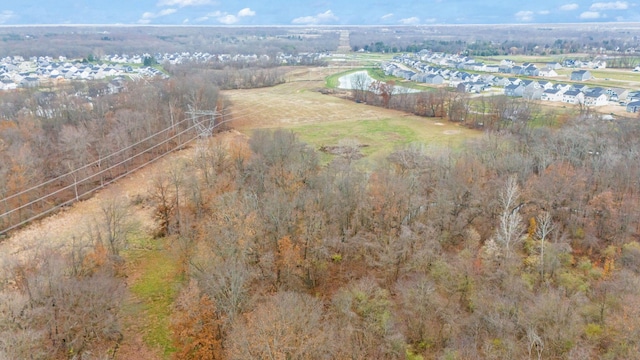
x=313, y=12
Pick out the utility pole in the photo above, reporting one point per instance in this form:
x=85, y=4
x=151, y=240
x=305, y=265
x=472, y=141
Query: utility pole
x=204, y=122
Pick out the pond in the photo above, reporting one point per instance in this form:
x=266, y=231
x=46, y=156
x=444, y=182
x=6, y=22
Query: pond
x=362, y=80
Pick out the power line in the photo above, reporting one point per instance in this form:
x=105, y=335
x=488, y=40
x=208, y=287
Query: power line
x=94, y=163
x=101, y=172
x=68, y=202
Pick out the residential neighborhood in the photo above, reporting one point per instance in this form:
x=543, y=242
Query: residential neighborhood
x=18, y=72
x=468, y=75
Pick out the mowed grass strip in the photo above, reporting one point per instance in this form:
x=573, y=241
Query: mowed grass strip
x=383, y=136
x=156, y=289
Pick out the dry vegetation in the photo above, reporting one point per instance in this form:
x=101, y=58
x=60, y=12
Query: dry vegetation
x=414, y=238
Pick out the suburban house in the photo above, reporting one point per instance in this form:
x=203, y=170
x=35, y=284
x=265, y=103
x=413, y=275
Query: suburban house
x=551, y=95
x=617, y=94
x=505, y=69
x=580, y=87
x=547, y=72
x=514, y=90
x=507, y=62
x=554, y=65
x=562, y=87
x=580, y=75
x=545, y=85
x=428, y=78
x=8, y=85
x=530, y=70
x=596, y=98
x=500, y=81
x=573, y=97
x=633, y=107
x=633, y=96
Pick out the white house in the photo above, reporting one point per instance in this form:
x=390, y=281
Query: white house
x=595, y=98
x=547, y=72
x=573, y=97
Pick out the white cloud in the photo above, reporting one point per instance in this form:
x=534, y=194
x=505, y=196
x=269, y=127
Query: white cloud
x=430, y=20
x=321, y=18
x=387, y=16
x=228, y=19
x=524, y=15
x=183, y=3
x=148, y=16
x=569, y=7
x=410, y=21
x=6, y=15
x=590, y=15
x=614, y=5
x=246, y=12
x=544, y=12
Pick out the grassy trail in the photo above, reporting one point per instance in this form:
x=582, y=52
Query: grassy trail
x=155, y=276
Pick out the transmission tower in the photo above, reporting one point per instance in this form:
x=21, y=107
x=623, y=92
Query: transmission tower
x=204, y=122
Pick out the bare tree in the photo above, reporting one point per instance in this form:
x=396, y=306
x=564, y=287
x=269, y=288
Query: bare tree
x=113, y=223
x=286, y=326
x=510, y=227
x=544, y=227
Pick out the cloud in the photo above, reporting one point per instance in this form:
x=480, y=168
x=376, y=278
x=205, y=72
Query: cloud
x=569, y=7
x=544, y=12
x=410, y=21
x=590, y=15
x=183, y=3
x=226, y=18
x=246, y=12
x=614, y=5
x=321, y=18
x=148, y=16
x=6, y=15
x=387, y=16
x=524, y=15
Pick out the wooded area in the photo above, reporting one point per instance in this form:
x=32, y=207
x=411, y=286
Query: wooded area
x=521, y=244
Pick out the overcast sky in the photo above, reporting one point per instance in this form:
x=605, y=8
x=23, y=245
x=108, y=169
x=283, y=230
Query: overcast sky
x=310, y=12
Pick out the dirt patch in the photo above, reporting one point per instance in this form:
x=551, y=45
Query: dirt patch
x=439, y=124
x=350, y=152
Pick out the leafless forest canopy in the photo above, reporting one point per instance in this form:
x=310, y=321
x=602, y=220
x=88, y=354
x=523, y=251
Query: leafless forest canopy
x=521, y=244
x=79, y=42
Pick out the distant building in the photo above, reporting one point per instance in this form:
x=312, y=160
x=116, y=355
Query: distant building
x=580, y=75
x=633, y=107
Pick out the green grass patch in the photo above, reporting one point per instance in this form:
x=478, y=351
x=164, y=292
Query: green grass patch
x=156, y=288
x=382, y=137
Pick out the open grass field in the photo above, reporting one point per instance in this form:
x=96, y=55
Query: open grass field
x=325, y=119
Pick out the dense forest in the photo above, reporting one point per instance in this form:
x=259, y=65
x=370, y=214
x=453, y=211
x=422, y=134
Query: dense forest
x=524, y=244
